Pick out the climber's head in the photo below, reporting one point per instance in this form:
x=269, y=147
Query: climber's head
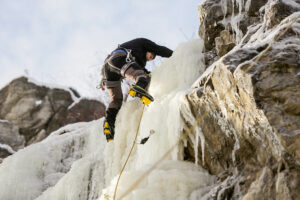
x=150, y=56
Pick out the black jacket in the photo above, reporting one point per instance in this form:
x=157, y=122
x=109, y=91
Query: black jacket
x=141, y=46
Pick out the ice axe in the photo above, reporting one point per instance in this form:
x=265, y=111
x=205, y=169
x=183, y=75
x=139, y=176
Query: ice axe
x=144, y=140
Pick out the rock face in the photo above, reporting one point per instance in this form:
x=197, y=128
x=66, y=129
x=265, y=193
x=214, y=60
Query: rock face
x=83, y=111
x=10, y=139
x=35, y=111
x=248, y=101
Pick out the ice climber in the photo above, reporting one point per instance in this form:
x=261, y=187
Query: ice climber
x=128, y=61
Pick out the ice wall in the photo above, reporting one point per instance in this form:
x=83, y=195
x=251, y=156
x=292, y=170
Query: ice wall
x=170, y=83
x=35, y=169
x=75, y=162
x=168, y=86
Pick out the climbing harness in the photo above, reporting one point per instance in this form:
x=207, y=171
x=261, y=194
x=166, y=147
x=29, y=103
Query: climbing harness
x=121, y=51
x=129, y=60
x=125, y=67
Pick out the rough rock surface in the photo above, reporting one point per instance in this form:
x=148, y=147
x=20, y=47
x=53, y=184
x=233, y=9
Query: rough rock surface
x=249, y=110
x=10, y=139
x=35, y=111
x=83, y=111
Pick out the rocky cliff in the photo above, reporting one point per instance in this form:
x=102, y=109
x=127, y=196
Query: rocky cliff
x=29, y=112
x=246, y=106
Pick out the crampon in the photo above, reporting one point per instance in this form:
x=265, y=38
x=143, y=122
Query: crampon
x=137, y=91
x=108, y=131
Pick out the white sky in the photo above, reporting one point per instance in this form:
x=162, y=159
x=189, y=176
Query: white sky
x=65, y=41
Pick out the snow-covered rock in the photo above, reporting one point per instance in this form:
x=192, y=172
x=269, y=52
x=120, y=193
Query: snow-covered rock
x=72, y=150
x=37, y=110
x=10, y=139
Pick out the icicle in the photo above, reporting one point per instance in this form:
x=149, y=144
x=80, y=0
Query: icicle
x=247, y=6
x=199, y=134
x=196, y=144
x=202, y=145
x=236, y=146
x=240, y=3
x=235, y=20
x=224, y=7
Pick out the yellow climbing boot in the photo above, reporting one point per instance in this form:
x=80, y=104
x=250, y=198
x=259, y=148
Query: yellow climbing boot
x=145, y=100
x=108, y=131
x=137, y=91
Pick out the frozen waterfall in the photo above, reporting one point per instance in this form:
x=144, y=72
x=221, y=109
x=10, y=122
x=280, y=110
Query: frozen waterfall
x=75, y=162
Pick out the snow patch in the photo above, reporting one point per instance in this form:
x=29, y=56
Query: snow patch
x=292, y=3
x=38, y=102
x=7, y=148
x=4, y=121
x=74, y=103
x=53, y=86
